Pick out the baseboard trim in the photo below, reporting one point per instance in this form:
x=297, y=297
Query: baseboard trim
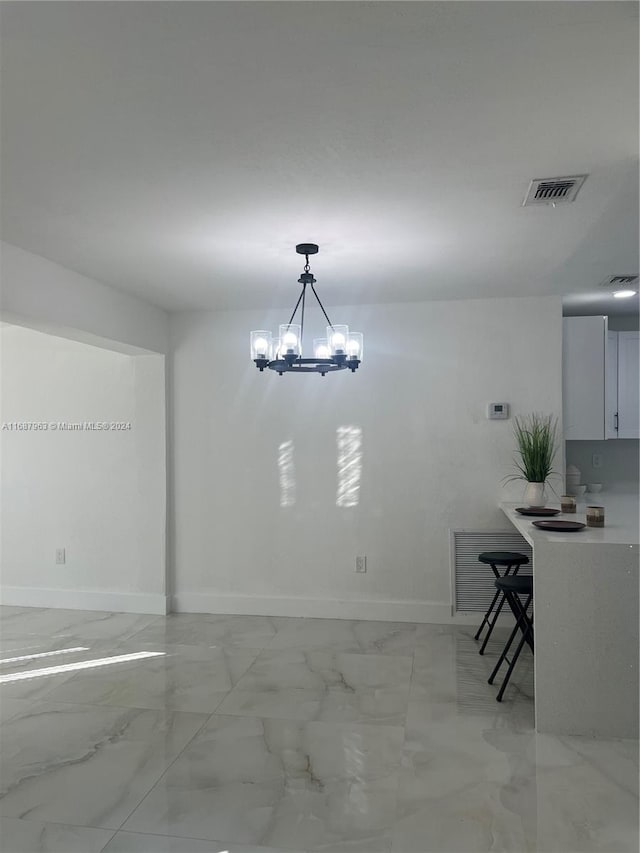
x=319, y=608
x=242, y=605
x=79, y=599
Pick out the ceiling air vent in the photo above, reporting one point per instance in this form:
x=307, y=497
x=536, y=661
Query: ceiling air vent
x=619, y=282
x=553, y=190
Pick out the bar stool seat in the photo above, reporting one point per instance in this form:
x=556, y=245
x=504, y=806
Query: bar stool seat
x=502, y=558
x=522, y=585
x=511, y=562
x=518, y=592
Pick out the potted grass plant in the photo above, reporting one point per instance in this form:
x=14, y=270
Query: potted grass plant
x=536, y=440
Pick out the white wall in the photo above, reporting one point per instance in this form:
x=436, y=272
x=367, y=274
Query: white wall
x=624, y=323
x=620, y=462
x=430, y=459
x=41, y=294
x=99, y=494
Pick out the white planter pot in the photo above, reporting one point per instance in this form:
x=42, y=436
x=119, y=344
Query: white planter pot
x=534, y=495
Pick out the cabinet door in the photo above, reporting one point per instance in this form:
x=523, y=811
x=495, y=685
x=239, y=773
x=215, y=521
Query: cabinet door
x=628, y=382
x=611, y=386
x=583, y=377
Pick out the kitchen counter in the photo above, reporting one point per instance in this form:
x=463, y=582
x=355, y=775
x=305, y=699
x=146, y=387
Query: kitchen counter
x=586, y=620
x=622, y=525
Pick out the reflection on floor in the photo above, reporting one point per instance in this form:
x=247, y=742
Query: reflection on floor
x=194, y=733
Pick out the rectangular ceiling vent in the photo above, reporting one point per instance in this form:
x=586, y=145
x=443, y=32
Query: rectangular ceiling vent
x=553, y=190
x=616, y=282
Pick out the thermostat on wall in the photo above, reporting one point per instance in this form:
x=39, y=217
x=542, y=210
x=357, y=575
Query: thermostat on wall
x=498, y=411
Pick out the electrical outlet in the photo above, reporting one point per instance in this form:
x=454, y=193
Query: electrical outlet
x=596, y=460
x=361, y=564
x=61, y=557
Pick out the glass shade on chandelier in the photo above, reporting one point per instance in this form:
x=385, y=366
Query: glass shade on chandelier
x=339, y=350
x=290, y=339
x=261, y=345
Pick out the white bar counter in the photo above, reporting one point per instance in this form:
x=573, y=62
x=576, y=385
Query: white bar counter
x=586, y=620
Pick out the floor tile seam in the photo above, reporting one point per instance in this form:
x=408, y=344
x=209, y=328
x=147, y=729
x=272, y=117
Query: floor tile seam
x=223, y=841
x=162, y=710
x=166, y=770
x=304, y=648
x=43, y=696
x=98, y=705
x=75, y=677
x=246, y=670
x=302, y=721
x=154, y=621
x=134, y=740
x=65, y=823
x=111, y=837
x=221, y=647
x=131, y=665
x=286, y=781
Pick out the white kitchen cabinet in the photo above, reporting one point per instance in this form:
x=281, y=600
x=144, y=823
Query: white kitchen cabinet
x=600, y=380
x=628, y=420
x=584, y=348
x=611, y=386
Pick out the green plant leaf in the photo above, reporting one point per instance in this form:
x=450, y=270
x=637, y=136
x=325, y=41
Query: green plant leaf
x=536, y=440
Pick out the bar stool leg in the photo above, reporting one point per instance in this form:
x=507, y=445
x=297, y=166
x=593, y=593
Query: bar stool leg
x=524, y=624
x=505, y=651
x=510, y=669
x=492, y=625
x=485, y=620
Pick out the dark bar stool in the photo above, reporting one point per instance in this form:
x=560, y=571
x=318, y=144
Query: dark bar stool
x=518, y=591
x=511, y=562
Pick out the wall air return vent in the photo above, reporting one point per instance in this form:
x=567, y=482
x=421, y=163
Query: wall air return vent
x=473, y=582
x=553, y=190
x=619, y=282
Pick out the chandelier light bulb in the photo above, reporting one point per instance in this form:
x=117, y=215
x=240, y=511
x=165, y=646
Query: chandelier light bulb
x=354, y=345
x=321, y=348
x=337, y=337
x=260, y=345
x=290, y=335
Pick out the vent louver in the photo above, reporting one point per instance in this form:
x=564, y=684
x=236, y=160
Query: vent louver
x=473, y=581
x=553, y=190
x=617, y=282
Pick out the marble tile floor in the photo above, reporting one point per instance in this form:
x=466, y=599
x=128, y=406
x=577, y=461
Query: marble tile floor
x=191, y=733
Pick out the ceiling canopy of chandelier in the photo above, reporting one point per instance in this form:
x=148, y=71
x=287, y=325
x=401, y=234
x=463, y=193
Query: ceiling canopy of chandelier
x=339, y=350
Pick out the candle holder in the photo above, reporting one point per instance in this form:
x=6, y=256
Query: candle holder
x=595, y=516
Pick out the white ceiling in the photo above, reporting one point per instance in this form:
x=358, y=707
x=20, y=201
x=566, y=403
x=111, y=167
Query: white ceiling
x=180, y=150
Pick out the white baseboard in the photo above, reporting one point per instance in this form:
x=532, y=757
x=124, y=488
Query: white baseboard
x=320, y=608
x=79, y=599
x=242, y=605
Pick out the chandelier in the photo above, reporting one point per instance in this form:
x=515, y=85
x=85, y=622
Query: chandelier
x=339, y=350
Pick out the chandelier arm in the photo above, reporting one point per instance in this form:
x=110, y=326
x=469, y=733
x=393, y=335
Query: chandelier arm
x=296, y=308
x=304, y=291
x=321, y=305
